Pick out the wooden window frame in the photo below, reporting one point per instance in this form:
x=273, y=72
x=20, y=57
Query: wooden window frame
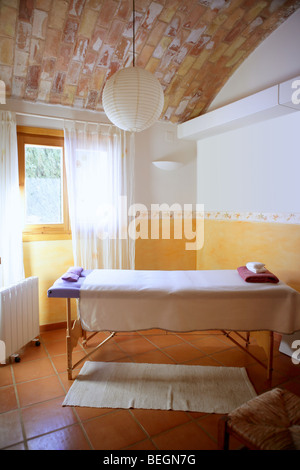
x=52, y=137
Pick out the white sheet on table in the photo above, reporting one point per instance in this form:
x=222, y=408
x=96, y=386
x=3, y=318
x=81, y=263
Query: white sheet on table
x=131, y=300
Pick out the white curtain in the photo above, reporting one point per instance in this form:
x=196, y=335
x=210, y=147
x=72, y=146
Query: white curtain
x=99, y=166
x=11, y=217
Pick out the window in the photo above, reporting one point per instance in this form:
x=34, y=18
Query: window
x=43, y=183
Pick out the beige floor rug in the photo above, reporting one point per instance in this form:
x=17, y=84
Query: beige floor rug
x=160, y=386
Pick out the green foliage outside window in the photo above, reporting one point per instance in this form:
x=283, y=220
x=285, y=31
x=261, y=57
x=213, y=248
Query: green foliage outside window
x=43, y=183
x=43, y=162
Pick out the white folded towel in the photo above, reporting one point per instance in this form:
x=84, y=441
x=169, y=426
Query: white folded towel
x=256, y=267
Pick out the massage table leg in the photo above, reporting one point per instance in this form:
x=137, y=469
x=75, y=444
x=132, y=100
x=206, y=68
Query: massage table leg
x=265, y=339
x=73, y=334
x=69, y=340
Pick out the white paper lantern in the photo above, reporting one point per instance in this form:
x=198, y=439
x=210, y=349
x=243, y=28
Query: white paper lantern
x=133, y=99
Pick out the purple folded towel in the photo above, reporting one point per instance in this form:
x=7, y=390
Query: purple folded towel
x=249, y=276
x=71, y=277
x=73, y=274
x=75, y=270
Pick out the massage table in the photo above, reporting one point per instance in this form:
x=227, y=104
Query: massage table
x=113, y=301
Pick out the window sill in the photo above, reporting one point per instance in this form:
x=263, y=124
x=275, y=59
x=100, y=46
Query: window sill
x=34, y=237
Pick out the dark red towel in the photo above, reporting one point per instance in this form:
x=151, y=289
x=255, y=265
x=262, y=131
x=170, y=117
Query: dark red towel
x=249, y=276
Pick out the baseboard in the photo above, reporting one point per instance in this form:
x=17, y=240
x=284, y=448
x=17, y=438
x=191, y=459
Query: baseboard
x=53, y=326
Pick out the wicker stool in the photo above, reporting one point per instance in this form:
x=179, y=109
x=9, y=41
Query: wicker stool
x=270, y=421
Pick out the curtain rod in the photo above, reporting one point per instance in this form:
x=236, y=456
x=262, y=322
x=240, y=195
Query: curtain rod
x=61, y=119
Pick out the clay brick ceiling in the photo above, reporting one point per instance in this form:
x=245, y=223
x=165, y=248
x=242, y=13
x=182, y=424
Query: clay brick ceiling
x=63, y=51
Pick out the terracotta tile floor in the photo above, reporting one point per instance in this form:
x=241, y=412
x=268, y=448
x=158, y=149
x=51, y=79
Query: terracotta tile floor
x=32, y=391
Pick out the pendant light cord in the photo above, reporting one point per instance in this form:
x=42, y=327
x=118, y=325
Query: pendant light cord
x=133, y=31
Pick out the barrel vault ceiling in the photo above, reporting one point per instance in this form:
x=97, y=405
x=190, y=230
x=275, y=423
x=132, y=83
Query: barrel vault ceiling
x=61, y=52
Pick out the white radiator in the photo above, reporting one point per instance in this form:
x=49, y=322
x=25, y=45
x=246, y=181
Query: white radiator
x=19, y=316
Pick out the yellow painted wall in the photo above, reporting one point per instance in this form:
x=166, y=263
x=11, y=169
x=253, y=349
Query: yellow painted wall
x=165, y=254
x=48, y=260
x=229, y=244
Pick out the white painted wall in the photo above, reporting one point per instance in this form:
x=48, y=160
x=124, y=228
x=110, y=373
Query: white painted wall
x=256, y=168
x=157, y=186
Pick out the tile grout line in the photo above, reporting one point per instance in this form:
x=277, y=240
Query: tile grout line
x=130, y=412
x=116, y=409
x=190, y=344
x=164, y=351
x=17, y=396
x=26, y=440
x=53, y=431
x=196, y=421
x=203, y=429
x=59, y=376
x=143, y=429
x=126, y=355
x=19, y=409
x=172, y=358
x=73, y=409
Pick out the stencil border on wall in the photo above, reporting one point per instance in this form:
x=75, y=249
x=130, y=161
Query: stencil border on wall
x=269, y=217
x=234, y=216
